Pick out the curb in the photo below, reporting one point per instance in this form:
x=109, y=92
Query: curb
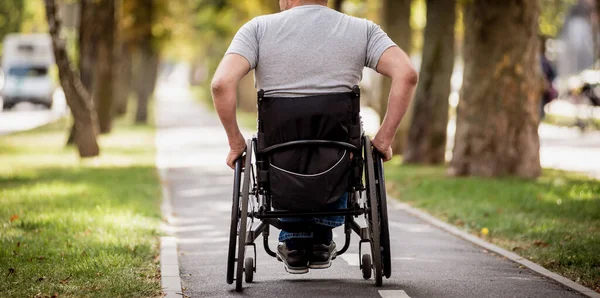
x=170, y=281
x=396, y=204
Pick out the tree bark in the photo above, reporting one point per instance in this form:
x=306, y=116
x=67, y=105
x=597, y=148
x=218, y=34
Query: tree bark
x=103, y=91
x=427, y=134
x=123, y=74
x=337, y=5
x=396, y=22
x=77, y=97
x=146, y=60
x=88, y=35
x=498, y=112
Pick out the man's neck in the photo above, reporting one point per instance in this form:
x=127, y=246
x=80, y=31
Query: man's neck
x=311, y=2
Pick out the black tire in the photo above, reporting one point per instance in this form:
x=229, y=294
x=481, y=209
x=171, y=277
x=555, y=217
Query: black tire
x=249, y=270
x=8, y=106
x=235, y=214
x=366, y=266
x=243, y=218
x=386, y=253
x=373, y=215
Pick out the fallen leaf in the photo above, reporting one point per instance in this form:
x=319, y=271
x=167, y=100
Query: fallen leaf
x=64, y=281
x=41, y=278
x=40, y=258
x=55, y=295
x=540, y=243
x=14, y=217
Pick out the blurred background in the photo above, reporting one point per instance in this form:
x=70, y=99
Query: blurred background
x=502, y=137
x=120, y=50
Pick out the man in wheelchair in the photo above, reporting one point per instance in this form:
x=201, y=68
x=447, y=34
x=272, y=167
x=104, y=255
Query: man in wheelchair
x=306, y=60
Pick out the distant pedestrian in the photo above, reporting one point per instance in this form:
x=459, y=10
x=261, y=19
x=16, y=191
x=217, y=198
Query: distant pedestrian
x=550, y=93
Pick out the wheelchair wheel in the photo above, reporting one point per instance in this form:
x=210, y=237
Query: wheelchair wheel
x=373, y=212
x=243, y=218
x=235, y=216
x=367, y=266
x=386, y=253
x=249, y=270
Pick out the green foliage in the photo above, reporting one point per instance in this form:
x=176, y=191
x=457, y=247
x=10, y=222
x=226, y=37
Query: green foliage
x=552, y=16
x=11, y=17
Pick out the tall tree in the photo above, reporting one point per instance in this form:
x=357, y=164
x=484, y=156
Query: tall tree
x=88, y=34
x=396, y=22
x=11, y=16
x=77, y=97
x=103, y=90
x=427, y=134
x=498, y=112
x=145, y=61
x=122, y=69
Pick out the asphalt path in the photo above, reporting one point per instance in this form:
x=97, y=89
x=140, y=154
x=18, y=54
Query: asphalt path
x=427, y=262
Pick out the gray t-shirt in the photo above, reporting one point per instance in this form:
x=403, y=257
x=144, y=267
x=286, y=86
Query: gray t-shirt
x=309, y=50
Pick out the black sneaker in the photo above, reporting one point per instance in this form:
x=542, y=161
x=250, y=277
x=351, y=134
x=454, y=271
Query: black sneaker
x=296, y=261
x=322, y=255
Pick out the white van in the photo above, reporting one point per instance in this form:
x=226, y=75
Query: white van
x=26, y=61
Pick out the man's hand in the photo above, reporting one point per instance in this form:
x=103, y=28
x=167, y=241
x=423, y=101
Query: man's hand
x=237, y=147
x=384, y=148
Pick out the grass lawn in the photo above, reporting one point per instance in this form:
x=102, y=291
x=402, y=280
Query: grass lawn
x=591, y=124
x=553, y=221
x=79, y=229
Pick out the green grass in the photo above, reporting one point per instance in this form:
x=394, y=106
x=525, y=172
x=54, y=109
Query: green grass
x=79, y=228
x=553, y=221
x=558, y=120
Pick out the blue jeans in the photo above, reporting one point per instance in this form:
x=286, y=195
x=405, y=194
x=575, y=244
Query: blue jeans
x=327, y=221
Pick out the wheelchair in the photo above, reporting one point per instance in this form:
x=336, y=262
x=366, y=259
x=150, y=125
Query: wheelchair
x=307, y=153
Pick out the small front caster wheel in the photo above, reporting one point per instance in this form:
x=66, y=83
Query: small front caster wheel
x=249, y=270
x=366, y=266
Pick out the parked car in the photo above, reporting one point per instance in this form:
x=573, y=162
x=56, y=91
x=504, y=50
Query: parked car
x=27, y=60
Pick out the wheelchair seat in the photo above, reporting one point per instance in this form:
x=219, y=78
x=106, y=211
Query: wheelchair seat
x=306, y=147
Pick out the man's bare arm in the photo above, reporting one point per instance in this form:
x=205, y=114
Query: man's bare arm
x=231, y=70
x=395, y=64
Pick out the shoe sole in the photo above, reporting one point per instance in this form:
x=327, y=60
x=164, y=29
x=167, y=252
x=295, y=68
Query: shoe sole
x=291, y=270
x=324, y=265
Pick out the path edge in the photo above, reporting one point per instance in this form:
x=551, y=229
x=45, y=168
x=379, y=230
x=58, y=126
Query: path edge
x=398, y=205
x=170, y=281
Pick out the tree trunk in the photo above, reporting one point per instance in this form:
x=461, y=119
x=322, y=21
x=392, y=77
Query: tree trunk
x=104, y=74
x=427, y=134
x=123, y=73
x=146, y=60
x=396, y=22
x=88, y=35
x=75, y=93
x=498, y=112
x=337, y=5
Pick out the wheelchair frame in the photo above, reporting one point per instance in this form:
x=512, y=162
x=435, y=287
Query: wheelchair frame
x=247, y=189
